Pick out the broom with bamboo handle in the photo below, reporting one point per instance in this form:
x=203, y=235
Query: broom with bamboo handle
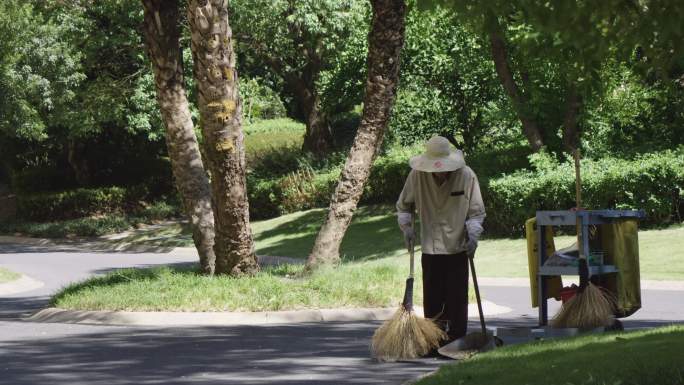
x=406, y=335
x=591, y=307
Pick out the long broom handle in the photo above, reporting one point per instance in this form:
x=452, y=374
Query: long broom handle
x=578, y=179
x=411, y=253
x=477, y=293
x=578, y=202
x=408, y=291
x=583, y=268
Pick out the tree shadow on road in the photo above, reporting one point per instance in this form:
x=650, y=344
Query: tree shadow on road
x=321, y=353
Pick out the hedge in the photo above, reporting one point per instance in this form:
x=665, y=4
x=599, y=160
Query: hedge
x=78, y=203
x=652, y=182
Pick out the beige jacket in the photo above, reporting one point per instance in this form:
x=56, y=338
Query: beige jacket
x=443, y=209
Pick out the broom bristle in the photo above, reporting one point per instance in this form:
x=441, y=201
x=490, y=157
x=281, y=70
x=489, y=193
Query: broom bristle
x=589, y=309
x=405, y=336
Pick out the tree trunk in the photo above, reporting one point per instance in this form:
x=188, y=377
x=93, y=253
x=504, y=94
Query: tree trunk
x=221, y=119
x=78, y=163
x=385, y=41
x=161, y=34
x=518, y=100
x=318, y=136
x=572, y=110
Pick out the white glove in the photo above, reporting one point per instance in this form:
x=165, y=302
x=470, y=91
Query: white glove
x=405, y=221
x=471, y=246
x=409, y=235
x=474, y=229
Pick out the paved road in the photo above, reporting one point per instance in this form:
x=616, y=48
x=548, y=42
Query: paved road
x=318, y=353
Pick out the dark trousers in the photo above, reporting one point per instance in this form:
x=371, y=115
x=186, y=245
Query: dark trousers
x=445, y=291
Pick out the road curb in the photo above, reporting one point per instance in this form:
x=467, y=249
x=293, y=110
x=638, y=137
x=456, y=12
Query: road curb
x=20, y=285
x=123, y=318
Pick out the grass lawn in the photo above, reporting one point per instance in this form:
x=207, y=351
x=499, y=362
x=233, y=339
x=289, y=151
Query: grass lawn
x=7, y=275
x=378, y=283
x=374, y=234
x=642, y=357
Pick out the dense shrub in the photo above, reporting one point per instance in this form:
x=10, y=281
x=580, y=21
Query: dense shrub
x=652, y=182
x=79, y=203
x=313, y=182
x=302, y=189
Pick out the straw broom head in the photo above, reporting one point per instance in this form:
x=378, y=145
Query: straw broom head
x=588, y=309
x=405, y=336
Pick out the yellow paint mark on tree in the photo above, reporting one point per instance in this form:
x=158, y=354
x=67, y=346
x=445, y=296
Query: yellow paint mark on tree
x=214, y=71
x=225, y=109
x=228, y=73
x=225, y=145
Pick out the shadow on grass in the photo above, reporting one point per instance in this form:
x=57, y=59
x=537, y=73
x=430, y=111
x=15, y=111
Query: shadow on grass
x=372, y=234
x=645, y=357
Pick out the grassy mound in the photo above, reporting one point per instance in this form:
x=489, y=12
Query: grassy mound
x=377, y=283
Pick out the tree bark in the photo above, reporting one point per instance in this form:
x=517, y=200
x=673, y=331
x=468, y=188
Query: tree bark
x=221, y=119
x=570, y=130
x=78, y=163
x=161, y=31
x=518, y=100
x=385, y=41
x=318, y=136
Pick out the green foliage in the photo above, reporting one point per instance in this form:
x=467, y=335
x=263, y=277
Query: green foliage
x=71, y=204
x=259, y=101
x=651, y=182
x=81, y=105
x=304, y=44
x=39, y=73
x=157, y=211
x=448, y=83
x=635, y=115
x=85, y=202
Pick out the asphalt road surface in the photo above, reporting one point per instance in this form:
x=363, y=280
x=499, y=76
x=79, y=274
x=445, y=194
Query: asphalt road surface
x=314, y=353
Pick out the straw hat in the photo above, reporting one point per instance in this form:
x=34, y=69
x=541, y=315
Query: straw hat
x=439, y=156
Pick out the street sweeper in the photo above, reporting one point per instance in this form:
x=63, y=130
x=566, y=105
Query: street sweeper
x=445, y=195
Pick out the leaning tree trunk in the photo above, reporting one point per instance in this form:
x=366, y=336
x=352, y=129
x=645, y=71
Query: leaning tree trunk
x=385, y=41
x=161, y=34
x=500, y=57
x=221, y=120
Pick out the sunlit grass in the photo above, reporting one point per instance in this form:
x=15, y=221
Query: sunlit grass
x=374, y=234
x=377, y=283
x=265, y=135
x=643, y=357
